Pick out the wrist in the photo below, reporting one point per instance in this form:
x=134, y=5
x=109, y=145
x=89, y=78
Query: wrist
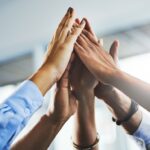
x=44, y=78
x=84, y=94
x=113, y=76
x=119, y=103
x=110, y=94
x=116, y=77
x=54, y=120
x=132, y=125
x=86, y=109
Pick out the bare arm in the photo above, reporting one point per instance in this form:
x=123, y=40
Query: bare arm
x=58, y=53
x=83, y=84
x=40, y=136
x=84, y=133
x=133, y=87
x=120, y=105
x=64, y=105
x=102, y=66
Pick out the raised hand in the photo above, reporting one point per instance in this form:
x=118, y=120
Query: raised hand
x=92, y=54
x=81, y=79
x=59, y=52
x=104, y=90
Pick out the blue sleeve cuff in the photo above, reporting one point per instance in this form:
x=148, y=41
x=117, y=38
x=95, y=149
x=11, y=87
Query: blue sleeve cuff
x=26, y=100
x=144, y=129
x=17, y=110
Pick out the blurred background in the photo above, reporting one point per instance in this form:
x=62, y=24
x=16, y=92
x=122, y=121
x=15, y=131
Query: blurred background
x=26, y=26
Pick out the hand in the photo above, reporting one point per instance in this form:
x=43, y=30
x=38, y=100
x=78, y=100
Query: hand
x=61, y=47
x=65, y=103
x=82, y=81
x=58, y=53
x=104, y=90
x=98, y=61
x=83, y=84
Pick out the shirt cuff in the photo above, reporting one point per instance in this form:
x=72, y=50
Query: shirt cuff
x=26, y=100
x=143, y=130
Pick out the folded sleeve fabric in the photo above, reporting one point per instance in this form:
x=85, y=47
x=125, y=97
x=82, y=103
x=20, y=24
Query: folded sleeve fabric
x=143, y=131
x=17, y=110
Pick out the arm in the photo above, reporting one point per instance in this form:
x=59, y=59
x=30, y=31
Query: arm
x=133, y=87
x=18, y=108
x=102, y=66
x=40, y=136
x=64, y=105
x=84, y=133
x=119, y=104
x=138, y=125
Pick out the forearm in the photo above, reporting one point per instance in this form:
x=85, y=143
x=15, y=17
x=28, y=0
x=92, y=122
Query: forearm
x=133, y=87
x=85, y=129
x=41, y=136
x=44, y=78
x=120, y=105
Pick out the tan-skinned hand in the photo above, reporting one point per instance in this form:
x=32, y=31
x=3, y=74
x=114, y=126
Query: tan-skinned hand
x=82, y=79
x=104, y=90
x=58, y=52
x=95, y=58
x=61, y=47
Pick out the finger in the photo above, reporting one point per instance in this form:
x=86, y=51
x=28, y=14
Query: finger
x=71, y=39
x=77, y=20
x=89, y=28
x=82, y=43
x=90, y=36
x=81, y=52
x=114, y=51
x=85, y=42
x=67, y=26
x=60, y=26
x=101, y=41
x=63, y=83
x=78, y=48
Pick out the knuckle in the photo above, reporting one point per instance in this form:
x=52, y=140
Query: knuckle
x=62, y=47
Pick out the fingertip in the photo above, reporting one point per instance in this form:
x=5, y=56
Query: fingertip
x=77, y=20
x=83, y=21
x=101, y=41
x=86, y=20
x=70, y=10
x=116, y=43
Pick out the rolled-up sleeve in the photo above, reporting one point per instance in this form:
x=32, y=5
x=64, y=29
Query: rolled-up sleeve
x=143, y=131
x=17, y=110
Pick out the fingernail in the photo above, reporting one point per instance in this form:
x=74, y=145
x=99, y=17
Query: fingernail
x=70, y=10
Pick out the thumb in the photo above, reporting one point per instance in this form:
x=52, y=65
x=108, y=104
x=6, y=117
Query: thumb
x=114, y=51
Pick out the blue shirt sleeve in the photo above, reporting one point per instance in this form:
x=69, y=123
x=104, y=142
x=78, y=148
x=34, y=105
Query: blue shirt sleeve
x=143, y=131
x=17, y=110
